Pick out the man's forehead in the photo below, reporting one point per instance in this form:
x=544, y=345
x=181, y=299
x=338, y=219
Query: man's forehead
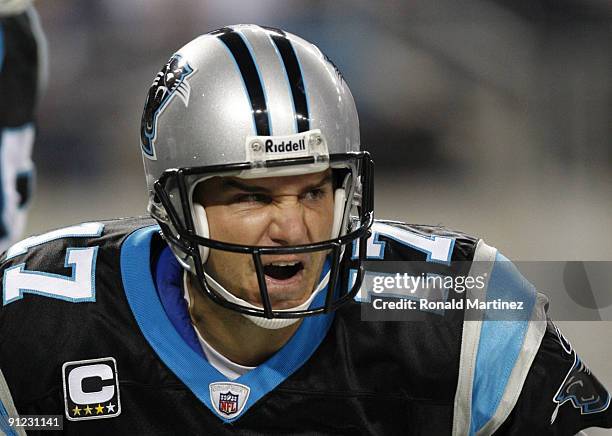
x=271, y=183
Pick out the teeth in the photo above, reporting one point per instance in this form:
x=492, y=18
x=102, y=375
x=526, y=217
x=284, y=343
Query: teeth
x=284, y=263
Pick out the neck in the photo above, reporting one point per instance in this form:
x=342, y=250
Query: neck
x=230, y=333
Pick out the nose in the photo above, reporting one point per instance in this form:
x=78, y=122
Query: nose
x=288, y=223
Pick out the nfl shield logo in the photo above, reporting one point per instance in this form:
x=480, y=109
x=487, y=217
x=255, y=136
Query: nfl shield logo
x=228, y=403
x=228, y=399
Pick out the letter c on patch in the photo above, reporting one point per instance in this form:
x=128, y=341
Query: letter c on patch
x=75, y=383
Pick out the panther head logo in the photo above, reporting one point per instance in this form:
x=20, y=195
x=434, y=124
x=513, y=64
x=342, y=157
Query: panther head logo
x=170, y=81
x=582, y=390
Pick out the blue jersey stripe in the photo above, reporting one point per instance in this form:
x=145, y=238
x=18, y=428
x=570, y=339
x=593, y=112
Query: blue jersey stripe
x=501, y=340
x=4, y=424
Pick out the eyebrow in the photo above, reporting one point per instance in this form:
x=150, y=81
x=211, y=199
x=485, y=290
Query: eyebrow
x=233, y=183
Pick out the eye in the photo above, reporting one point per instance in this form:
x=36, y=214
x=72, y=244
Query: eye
x=315, y=194
x=253, y=198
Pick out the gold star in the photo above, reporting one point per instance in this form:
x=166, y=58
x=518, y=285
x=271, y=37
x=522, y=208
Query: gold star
x=88, y=410
x=99, y=409
x=76, y=411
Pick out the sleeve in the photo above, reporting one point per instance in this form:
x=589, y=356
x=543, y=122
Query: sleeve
x=44, y=279
x=560, y=395
x=23, y=69
x=7, y=410
x=517, y=374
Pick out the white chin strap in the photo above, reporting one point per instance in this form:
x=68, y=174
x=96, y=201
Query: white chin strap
x=201, y=227
x=271, y=324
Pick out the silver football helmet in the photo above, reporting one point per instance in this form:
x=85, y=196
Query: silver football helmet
x=251, y=102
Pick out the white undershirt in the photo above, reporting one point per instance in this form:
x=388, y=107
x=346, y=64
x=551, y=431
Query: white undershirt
x=225, y=366
x=221, y=363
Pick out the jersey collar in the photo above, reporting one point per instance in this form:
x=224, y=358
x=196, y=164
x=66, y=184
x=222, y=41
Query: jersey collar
x=189, y=365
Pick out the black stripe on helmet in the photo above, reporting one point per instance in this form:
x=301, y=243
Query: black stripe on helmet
x=248, y=69
x=274, y=29
x=294, y=76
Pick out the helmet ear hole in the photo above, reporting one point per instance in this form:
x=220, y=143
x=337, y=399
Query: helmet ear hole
x=200, y=222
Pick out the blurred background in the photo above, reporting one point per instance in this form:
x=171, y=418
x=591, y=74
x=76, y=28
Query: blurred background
x=491, y=117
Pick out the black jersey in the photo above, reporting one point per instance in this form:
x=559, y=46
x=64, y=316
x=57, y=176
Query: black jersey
x=84, y=335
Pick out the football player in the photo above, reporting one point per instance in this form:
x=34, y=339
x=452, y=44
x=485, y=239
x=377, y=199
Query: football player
x=22, y=76
x=236, y=309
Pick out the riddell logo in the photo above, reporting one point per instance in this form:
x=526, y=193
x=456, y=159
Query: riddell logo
x=302, y=144
x=285, y=147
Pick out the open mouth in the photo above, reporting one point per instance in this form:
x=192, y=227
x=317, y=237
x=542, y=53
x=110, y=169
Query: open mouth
x=283, y=270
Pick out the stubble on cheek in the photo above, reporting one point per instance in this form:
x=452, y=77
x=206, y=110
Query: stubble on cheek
x=234, y=271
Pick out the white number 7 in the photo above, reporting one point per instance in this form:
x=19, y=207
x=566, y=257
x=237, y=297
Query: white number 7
x=438, y=248
x=79, y=287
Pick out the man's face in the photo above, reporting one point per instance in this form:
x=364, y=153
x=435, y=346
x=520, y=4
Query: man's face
x=274, y=211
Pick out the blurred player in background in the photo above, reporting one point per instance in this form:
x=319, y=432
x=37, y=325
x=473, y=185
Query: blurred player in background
x=23, y=69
